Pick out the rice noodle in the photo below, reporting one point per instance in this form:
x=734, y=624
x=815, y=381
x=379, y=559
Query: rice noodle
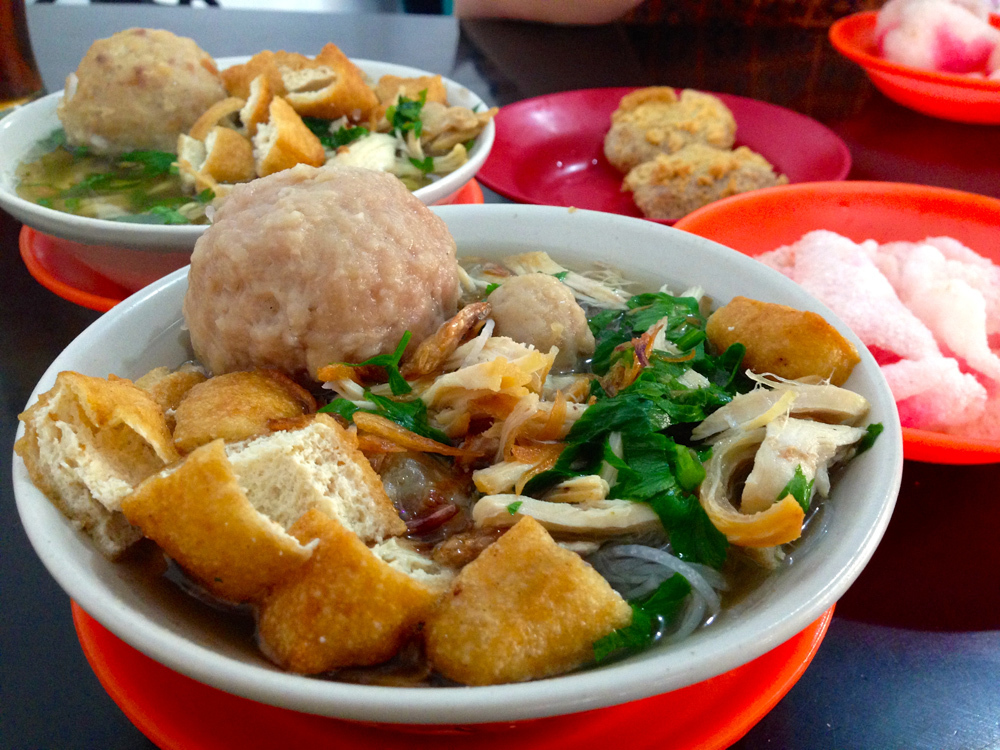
x=616, y=561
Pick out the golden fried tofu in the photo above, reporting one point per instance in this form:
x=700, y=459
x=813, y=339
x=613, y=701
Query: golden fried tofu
x=330, y=86
x=673, y=185
x=228, y=156
x=257, y=108
x=345, y=607
x=168, y=387
x=284, y=141
x=655, y=121
x=389, y=87
x=782, y=340
x=238, y=78
x=201, y=517
x=220, y=113
x=87, y=442
x=525, y=608
x=236, y=406
x=315, y=464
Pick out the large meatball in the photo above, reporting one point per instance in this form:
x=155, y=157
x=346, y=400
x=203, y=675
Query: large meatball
x=540, y=310
x=312, y=266
x=138, y=89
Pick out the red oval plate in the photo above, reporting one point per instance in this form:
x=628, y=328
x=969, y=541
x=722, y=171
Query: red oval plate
x=177, y=713
x=945, y=95
x=763, y=220
x=550, y=150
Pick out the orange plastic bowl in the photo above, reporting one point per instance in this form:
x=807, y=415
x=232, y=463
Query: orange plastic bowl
x=945, y=95
x=763, y=220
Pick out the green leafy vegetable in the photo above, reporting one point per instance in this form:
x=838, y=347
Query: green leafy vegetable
x=871, y=434
x=406, y=114
x=514, y=507
x=490, y=288
x=334, y=139
x=561, y=275
x=153, y=163
x=390, y=363
x=798, y=487
x=649, y=617
x=425, y=165
x=409, y=414
x=651, y=414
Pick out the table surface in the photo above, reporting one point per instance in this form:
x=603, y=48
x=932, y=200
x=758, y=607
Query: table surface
x=912, y=658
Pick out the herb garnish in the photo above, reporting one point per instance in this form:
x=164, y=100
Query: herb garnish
x=410, y=414
x=425, y=165
x=390, y=363
x=333, y=140
x=798, y=487
x=514, y=507
x=872, y=432
x=649, y=617
x=405, y=114
x=653, y=413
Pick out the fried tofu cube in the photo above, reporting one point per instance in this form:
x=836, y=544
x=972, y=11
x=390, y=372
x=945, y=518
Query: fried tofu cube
x=237, y=406
x=329, y=87
x=169, y=387
x=317, y=465
x=524, y=609
x=345, y=607
x=284, y=141
x=783, y=341
x=201, y=517
x=87, y=443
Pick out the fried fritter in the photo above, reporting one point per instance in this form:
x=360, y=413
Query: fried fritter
x=525, y=608
x=202, y=518
x=236, y=406
x=655, y=121
x=782, y=340
x=344, y=607
x=671, y=186
x=87, y=442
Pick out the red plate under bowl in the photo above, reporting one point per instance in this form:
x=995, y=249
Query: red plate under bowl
x=763, y=220
x=178, y=713
x=945, y=95
x=549, y=150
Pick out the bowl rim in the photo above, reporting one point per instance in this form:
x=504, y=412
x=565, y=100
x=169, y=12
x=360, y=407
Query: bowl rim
x=167, y=238
x=846, y=35
x=594, y=688
x=918, y=444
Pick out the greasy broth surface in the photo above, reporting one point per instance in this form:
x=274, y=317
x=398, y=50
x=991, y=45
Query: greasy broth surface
x=63, y=178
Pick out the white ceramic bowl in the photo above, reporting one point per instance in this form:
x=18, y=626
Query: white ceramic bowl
x=147, y=330
x=134, y=255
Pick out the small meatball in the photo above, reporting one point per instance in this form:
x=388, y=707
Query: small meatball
x=138, y=89
x=673, y=186
x=540, y=310
x=782, y=340
x=312, y=266
x=655, y=121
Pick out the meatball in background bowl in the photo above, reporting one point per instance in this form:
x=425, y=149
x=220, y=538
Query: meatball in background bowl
x=147, y=331
x=133, y=255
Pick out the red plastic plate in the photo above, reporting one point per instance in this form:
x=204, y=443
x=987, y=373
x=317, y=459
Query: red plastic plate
x=763, y=220
x=550, y=150
x=177, y=713
x=945, y=95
